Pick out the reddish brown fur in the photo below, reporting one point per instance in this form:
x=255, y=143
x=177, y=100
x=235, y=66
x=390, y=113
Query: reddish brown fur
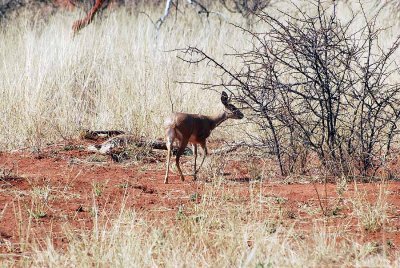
x=195, y=128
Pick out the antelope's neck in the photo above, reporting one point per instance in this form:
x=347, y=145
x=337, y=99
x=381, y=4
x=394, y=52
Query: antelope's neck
x=217, y=119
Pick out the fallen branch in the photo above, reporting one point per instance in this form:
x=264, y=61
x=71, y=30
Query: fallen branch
x=131, y=140
x=96, y=134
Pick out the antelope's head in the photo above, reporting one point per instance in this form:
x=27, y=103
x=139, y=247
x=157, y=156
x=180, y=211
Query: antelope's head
x=230, y=109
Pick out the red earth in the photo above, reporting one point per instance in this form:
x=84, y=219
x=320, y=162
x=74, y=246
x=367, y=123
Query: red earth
x=76, y=178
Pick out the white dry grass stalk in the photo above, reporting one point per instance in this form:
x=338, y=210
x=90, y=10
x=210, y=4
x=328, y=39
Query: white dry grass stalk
x=371, y=216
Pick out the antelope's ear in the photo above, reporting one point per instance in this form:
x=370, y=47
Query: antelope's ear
x=224, y=98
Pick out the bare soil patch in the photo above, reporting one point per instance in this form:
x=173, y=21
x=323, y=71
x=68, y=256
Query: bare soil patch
x=58, y=187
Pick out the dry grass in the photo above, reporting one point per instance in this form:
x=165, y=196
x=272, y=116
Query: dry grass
x=116, y=75
x=226, y=225
x=215, y=232
x=371, y=217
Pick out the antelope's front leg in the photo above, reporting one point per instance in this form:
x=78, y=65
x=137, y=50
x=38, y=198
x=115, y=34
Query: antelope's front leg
x=203, y=145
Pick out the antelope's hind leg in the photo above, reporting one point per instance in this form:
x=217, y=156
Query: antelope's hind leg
x=170, y=141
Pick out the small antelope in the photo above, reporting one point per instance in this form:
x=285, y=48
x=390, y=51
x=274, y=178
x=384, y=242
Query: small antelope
x=195, y=128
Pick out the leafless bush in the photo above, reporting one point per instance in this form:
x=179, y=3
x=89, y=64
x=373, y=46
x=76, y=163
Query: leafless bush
x=8, y=7
x=245, y=7
x=202, y=7
x=317, y=83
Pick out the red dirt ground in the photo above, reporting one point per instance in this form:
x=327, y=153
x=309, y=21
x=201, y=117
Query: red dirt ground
x=74, y=175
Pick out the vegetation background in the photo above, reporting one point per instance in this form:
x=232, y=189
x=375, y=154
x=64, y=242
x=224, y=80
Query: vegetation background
x=117, y=72
x=121, y=72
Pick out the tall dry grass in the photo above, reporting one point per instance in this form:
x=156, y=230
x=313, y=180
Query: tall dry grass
x=115, y=73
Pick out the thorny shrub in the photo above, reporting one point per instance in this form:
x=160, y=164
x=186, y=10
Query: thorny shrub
x=316, y=83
